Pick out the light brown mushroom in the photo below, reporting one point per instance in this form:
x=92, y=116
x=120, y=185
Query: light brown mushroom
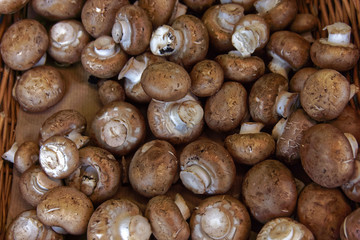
x=350, y=228
x=24, y=44
x=220, y=217
x=352, y=188
x=304, y=24
x=110, y=91
x=199, y=5
x=65, y=210
x=297, y=81
x=118, y=219
x=39, y=88
x=247, y=4
x=11, y=6
x=58, y=10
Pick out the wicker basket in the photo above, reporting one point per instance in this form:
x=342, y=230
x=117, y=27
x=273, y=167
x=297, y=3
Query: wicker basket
x=327, y=12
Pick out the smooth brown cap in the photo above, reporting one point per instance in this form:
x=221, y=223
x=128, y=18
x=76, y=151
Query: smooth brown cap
x=110, y=91
x=159, y=11
x=298, y=80
x=58, y=10
x=26, y=155
x=348, y=122
x=304, y=22
x=11, y=6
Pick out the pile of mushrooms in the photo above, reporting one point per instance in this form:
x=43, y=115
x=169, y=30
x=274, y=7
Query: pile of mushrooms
x=224, y=119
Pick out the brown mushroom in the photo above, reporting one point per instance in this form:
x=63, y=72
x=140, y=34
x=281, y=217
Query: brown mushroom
x=24, y=44
x=327, y=155
x=103, y=58
x=11, y=6
x=118, y=127
x=206, y=167
x=352, y=188
x=39, y=88
x=199, y=5
x=110, y=91
x=28, y=226
x=250, y=146
x=118, y=219
x=247, y=4
x=132, y=29
x=336, y=51
x=58, y=10
x=178, y=121
x=98, y=174
x=220, y=217
x=297, y=81
x=59, y=157
x=322, y=210
x=350, y=229
x=153, y=168
x=269, y=191
x=65, y=210
x=67, y=40
x=303, y=24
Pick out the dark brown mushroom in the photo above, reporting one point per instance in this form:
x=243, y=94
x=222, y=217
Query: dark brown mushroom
x=58, y=9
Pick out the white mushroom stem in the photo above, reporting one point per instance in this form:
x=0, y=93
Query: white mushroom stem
x=179, y=10
x=134, y=227
x=89, y=180
x=132, y=71
x=121, y=33
x=196, y=178
x=104, y=46
x=353, y=90
x=181, y=204
x=63, y=34
x=216, y=223
x=228, y=16
x=285, y=230
x=78, y=139
x=42, y=183
x=286, y=103
x=263, y=6
x=59, y=230
x=251, y=127
x=42, y=61
x=338, y=33
x=279, y=128
x=53, y=159
x=165, y=41
x=245, y=40
x=114, y=133
x=188, y=113
x=9, y=155
x=353, y=143
x=279, y=65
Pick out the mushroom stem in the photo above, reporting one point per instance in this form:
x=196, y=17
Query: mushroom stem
x=10, y=154
x=339, y=33
x=353, y=143
x=186, y=114
x=78, y=139
x=104, y=46
x=228, y=16
x=181, y=204
x=89, y=180
x=59, y=230
x=251, y=127
x=279, y=65
x=165, y=41
x=353, y=90
x=41, y=61
x=114, y=133
x=279, y=128
x=121, y=32
x=216, y=223
x=262, y=6
x=286, y=103
x=132, y=71
x=63, y=34
x=134, y=227
x=179, y=10
x=285, y=231
x=196, y=178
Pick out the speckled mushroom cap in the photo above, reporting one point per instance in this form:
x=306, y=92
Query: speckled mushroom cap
x=39, y=88
x=67, y=208
x=118, y=127
x=11, y=6
x=24, y=43
x=159, y=11
x=26, y=155
x=269, y=191
x=110, y=91
x=220, y=217
x=206, y=167
x=322, y=211
x=351, y=226
x=98, y=174
x=326, y=155
x=167, y=222
x=298, y=80
x=58, y=10
x=284, y=228
x=118, y=219
x=348, y=121
x=28, y=226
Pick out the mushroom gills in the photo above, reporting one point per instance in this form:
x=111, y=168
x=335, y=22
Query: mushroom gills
x=121, y=33
x=63, y=34
x=279, y=65
x=286, y=103
x=285, y=231
x=196, y=178
x=114, y=133
x=89, y=179
x=229, y=15
x=42, y=183
x=165, y=41
x=53, y=159
x=133, y=227
x=186, y=114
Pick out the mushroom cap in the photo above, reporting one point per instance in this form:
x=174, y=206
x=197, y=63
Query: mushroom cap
x=118, y=127
x=110, y=91
x=67, y=40
x=352, y=188
x=298, y=80
x=250, y=148
x=26, y=155
x=165, y=81
x=59, y=157
x=153, y=168
x=159, y=11
x=326, y=155
x=28, y=226
x=263, y=95
x=137, y=40
x=58, y=10
x=325, y=94
x=207, y=76
x=34, y=183
x=67, y=208
x=322, y=210
x=39, y=88
x=62, y=123
x=106, y=220
x=288, y=144
x=327, y=55
x=269, y=191
x=225, y=109
x=284, y=228
x=220, y=217
x=216, y=164
x=11, y=6
x=98, y=16
x=243, y=70
x=304, y=22
x=100, y=166
x=348, y=121
x=291, y=47
x=199, y=5
x=23, y=44
x=166, y=219
x=351, y=226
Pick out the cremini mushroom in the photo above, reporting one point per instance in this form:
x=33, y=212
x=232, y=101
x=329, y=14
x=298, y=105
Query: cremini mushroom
x=247, y=4
x=39, y=88
x=24, y=44
x=118, y=219
x=199, y=6
x=58, y=9
x=348, y=121
x=352, y=188
x=110, y=91
x=304, y=24
x=11, y=6
x=220, y=217
x=98, y=174
x=153, y=168
x=350, y=228
x=336, y=51
x=297, y=81
x=206, y=167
